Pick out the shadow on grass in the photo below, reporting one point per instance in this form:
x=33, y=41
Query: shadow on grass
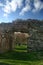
x=1, y=63
x=33, y=56
x=21, y=48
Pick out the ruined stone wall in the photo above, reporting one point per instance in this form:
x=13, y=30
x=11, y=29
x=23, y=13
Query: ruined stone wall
x=6, y=42
x=35, y=41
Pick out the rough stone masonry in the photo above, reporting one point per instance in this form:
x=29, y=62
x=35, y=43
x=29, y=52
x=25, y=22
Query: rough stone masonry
x=6, y=42
x=35, y=41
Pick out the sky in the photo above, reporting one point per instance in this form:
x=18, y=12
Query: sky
x=20, y=9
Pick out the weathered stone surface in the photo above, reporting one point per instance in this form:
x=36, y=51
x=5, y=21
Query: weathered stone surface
x=35, y=41
x=6, y=42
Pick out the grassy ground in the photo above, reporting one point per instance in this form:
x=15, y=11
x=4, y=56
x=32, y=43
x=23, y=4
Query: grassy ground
x=20, y=57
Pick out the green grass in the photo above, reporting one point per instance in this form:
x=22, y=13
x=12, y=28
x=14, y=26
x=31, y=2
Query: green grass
x=20, y=57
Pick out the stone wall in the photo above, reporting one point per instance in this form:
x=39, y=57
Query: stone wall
x=35, y=41
x=6, y=42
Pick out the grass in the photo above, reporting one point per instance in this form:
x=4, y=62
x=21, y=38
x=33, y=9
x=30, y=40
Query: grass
x=20, y=57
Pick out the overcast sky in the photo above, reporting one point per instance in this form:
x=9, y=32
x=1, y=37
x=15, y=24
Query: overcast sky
x=20, y=9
